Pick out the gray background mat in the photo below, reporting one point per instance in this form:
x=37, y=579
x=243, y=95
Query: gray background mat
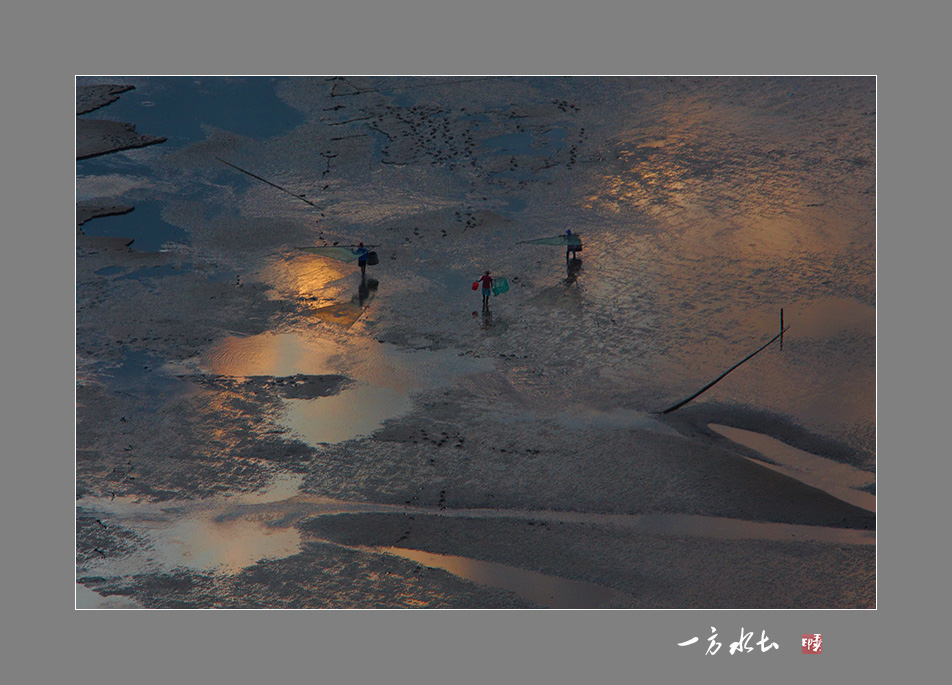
x=43, y=48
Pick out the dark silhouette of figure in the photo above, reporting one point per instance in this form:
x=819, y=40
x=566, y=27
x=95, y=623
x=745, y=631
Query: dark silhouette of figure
x=487, y=286
x=362, y=253
x=571, y=246
x=365, y=288
x=363, y=292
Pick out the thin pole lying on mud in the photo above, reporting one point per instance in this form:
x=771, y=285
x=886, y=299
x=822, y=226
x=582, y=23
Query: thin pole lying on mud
x=275, y=185
x=716, y=380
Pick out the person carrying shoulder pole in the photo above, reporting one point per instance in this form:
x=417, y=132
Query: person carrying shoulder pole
x=487, y=282
x=362, y=253
x=569, y=244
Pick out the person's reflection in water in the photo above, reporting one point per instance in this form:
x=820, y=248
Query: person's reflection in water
x=367, y=286
x=486, y=320
x=572, y=268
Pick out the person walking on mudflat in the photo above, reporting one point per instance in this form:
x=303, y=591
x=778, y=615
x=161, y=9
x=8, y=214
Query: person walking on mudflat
x=362, y=255
x=487, y=282
x=572, y=243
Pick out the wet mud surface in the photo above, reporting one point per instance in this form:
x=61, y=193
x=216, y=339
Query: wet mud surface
x=233, y=391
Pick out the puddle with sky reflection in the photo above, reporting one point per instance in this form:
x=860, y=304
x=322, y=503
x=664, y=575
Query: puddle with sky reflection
x=385, y=376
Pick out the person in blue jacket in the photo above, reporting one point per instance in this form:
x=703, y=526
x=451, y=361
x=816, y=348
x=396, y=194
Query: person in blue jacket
x=362, y=253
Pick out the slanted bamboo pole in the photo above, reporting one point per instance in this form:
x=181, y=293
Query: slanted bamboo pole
x=710, y=385
x=275, y=185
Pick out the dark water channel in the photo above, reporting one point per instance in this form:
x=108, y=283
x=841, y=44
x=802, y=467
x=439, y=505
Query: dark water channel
x=180, y=108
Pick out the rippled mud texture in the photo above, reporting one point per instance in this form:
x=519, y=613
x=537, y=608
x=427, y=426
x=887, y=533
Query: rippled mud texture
x=231, y=388
x=454, y=446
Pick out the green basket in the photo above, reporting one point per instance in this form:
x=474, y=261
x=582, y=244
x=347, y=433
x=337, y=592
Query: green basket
x=500, y=285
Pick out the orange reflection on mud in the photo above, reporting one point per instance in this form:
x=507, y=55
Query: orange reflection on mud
x=270, y=354
x=325, y=284
x=814, y=318
x=229, y=546
x=216, y=417
x=310, y=277
x=651, y=174
x=343, y=313
x=547, y=591
x=738, y=183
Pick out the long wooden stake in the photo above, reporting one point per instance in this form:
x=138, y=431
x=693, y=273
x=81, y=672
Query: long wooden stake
x=274, y=185
x=716, y=380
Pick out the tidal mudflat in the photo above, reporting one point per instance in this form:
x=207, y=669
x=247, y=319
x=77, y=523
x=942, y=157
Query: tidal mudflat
x=259, y=426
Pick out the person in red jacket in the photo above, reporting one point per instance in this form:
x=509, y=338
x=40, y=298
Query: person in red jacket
x=487, y=282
